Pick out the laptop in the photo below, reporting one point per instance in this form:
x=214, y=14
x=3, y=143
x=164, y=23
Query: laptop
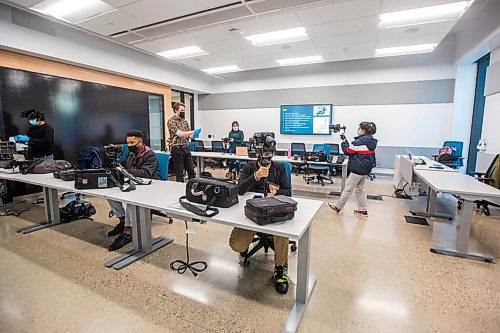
x=241, y=151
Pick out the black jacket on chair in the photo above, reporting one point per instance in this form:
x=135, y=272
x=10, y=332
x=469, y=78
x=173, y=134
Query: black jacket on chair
x=361, y=154
x=277, y=175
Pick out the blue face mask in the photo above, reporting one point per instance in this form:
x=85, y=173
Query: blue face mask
x=359, y=133
x=34, y=122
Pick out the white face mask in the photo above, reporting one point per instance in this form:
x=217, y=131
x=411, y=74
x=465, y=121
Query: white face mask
x=235, y=128
x=360, y=133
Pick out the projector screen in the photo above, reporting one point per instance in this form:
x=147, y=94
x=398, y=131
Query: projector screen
x=311, y=119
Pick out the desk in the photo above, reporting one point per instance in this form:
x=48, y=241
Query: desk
x=201, y=155
x=467, y=189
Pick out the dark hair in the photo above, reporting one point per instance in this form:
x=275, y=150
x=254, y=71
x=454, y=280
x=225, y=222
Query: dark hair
x=137, y=134
x=233, y=123
x=177, y=105
x=369, y=127
x=34, y=114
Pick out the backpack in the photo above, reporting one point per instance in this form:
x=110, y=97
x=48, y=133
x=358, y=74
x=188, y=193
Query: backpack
x=43, y=166
x=75, y=210
x=445, y=154
x=89, y=158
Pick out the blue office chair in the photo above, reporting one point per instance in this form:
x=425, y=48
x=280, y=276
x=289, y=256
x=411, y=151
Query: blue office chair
x=217, y=146
x=163, y=165
x=457, y=160
x=318, y=169
x=332, y=149
x=266, y=240
x=124, y=155
x=198, y=145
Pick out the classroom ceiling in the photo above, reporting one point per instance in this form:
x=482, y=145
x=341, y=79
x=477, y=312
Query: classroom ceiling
x=338, y=29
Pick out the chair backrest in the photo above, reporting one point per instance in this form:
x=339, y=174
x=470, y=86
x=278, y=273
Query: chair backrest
x=298, y=149
x=493, y=166
x=319, y=147
x=198, y=146
x=163, y=164
x=458, y=145
x=217, y=146
x=124, y=155
x=333, y=148
x=288, y=169
x=246, y=144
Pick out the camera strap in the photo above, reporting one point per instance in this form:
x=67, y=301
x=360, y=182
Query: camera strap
x=198, y=211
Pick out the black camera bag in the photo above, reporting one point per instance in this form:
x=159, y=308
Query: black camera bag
x=94, y=179
x=319, y=156
x=268, y=210
x=75, y=210
x=67, y=175
x=211, y=192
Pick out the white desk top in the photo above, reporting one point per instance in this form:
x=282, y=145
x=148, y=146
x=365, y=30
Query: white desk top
x=457, y=183
x=429, y=162
x=235, y=217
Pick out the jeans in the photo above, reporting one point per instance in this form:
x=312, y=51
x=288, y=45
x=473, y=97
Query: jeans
x=357, y=182
x=119, y=211
x=182, y=160
x=45, y=158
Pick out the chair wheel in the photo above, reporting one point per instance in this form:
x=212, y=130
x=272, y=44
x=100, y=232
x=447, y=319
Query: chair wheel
x=487, y=213
x=246, y=263
x=170, y=220
x=293, y=248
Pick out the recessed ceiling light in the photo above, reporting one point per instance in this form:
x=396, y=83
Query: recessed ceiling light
x=424, y=15
x=183, y=52
x=300, y=61
x=403, y=50
x=279, y=37
x=70, y=10
x=221, y=70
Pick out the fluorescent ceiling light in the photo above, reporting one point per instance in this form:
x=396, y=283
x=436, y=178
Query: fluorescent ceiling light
x=72, y=11
x=447, y=12
x=300, y=61
x=278, y=37
x=221, y=70
x=402, y=50
x=183, y=52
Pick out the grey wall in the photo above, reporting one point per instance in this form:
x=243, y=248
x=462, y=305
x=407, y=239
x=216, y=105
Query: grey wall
x=414, y=92
x=492, y=79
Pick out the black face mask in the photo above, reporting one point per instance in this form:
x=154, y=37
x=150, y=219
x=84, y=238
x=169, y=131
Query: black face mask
x=133, y=149
x=182, y=115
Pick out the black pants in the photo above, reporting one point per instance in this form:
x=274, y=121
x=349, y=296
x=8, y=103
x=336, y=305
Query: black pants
x=182, y=160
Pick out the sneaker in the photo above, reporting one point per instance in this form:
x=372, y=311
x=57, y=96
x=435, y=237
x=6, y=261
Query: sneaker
x=118, y=229
x=362, y=213
x=120, y=242
x=334, y=208
x=280, y=279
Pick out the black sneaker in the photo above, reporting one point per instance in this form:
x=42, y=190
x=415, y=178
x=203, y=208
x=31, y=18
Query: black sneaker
x=120, y=242
x=362, y=213
x=118, y=229
x=280, y=279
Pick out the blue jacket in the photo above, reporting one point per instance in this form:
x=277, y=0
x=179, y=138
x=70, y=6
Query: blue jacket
x=361, y=154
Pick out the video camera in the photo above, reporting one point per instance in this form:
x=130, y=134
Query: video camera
x=263, y=142
x=337, y=128
x=113, y=152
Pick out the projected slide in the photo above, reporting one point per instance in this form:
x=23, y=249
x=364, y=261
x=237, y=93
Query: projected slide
x=306, y=119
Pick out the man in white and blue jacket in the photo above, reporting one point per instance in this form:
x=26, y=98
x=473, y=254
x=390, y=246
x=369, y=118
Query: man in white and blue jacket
x=361, y=162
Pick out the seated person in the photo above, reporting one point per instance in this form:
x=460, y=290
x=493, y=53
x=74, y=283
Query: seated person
x=141, y=161
x=255, y=177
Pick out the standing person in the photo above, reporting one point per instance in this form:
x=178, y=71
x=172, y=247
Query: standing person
x=40, y=136
x=236, y=138
x=141, y=162
x=361, y=162
x=180, y=134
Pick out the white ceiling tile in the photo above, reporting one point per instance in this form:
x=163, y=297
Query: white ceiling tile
x=423, y=30
x=119, y=3
x=152, y=11
x=397, y=5
x=226, y=45
x=350, y=55
x=209, y=35
x=343, y=27
x=112, y=22
x=339, y=11
x=164, y=44
x=428, y=39
x=26, y=3
x=215, y=3
x=268, y=23
x=97, y=8
x=357, y=37
x=348, y=48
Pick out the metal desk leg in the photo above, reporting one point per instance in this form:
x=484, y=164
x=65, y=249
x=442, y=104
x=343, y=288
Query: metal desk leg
x=305, y=283
x=463, y=233
x=198, y=162
x=344, y=177
x=51, y=203
x=143, y=242
x=431, y=208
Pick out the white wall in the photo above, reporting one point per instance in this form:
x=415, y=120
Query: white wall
x=408, y=125
x=491, y=121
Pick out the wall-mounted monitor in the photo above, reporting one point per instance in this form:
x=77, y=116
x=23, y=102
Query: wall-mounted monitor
x=309, y=119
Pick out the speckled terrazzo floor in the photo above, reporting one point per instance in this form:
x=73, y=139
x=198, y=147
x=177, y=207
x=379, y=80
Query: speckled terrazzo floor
x=373, y=275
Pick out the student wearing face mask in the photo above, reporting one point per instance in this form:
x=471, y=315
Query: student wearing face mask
x=40, y=136
x=141, y=161
x=180, y=134
x=236, y=138
x=361, y=162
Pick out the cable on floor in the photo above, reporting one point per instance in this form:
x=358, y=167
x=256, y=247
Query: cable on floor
x=182, y=266
x=15, y=212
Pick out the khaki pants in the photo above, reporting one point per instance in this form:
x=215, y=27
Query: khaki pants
x=354, y=182
x=240, y=239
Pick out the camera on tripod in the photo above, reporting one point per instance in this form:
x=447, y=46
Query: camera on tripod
x=113, y=152
x=263, y=142
x=337, y=128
